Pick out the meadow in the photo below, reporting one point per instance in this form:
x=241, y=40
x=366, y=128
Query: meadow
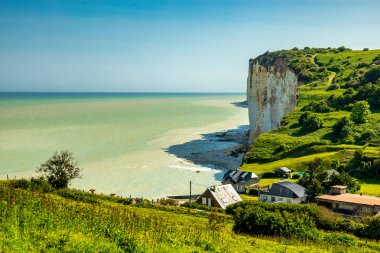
x=32, y=221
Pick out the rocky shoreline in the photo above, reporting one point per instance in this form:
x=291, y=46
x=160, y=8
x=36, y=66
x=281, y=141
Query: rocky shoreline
x=219, y=150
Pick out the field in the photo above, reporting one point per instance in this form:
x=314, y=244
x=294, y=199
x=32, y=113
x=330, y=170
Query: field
x=38, y=222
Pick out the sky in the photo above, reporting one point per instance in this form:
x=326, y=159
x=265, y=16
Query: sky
x=165, y=46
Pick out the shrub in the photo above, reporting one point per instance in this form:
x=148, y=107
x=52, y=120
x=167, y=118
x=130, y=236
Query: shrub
x=343, y=127
x=274, y=219
x=360, y=112
x=303, y=118
x=333, y=86
x=313, y=123
x=372, y=75
x=320, y=106
x=365, y=49
x=372, y=230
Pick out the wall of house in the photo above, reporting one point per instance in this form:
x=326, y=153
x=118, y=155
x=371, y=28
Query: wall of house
x=273, y=199
x=207, y=194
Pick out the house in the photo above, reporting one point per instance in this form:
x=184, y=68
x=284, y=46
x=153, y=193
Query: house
x=240, y=179
x=285, y=191
x=283, y=170
x=339, y=200
x=331, y=172
x=219, y=196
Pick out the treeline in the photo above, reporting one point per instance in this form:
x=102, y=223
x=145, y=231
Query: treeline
x=301, y=221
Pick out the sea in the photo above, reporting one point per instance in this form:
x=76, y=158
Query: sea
x=121, y=140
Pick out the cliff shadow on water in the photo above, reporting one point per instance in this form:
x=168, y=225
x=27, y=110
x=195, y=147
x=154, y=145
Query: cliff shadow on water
x=218, y=150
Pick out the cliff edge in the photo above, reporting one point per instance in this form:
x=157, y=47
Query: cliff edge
x=271, y=93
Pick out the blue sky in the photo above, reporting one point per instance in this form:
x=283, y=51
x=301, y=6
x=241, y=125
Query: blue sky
x=165, y=46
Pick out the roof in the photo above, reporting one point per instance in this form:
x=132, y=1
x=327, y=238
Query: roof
x=288, y=190
x=283, y=170
x=339, y=186
x=351, y=198
x=331, y=172
x=238, y=176
x=225, y=195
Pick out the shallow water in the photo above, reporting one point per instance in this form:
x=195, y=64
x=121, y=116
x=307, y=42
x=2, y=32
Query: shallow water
x=120, y=140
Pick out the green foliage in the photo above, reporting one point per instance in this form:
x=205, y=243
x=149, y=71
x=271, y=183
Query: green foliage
x=320, y=107
x=360, y=112
x=313, y=123
x=344, y=179
x=372, y=230
x=60, y=169
x=314, y=177
x=343, y=128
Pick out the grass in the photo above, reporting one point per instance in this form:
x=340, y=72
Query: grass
x=246, y=197
x=38, y=222
x=295, y=164
x=293, y=147
x=370, y=186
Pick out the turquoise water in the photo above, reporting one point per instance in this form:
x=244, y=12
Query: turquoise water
x=119, y=139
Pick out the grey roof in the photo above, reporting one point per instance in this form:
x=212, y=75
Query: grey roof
x=288, y=190
x=283, y=170
x=225, y=195
x=238, y=176
x=331, y=172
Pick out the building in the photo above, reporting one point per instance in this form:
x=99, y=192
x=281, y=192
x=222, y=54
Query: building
x=285, y=191
x=219, y=196
x=240, y=179
x=283, y=170
x=341, y=201
x=331, y=172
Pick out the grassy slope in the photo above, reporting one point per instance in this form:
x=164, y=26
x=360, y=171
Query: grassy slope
x=35, y=222
x=304, y=147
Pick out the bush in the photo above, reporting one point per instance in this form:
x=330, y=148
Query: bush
x=333, y=86
x=365, y=49
x=274, y=219
x=303, y=118
x=372, y=230
x=320, y=106
x=343, y=128
x=313, y=123
x=360, y=112
x=372, y=75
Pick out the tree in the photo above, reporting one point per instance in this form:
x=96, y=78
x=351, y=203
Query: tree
x=360, y=112
x=343, y=128
x=344, y=179
x=313, y=123
x=314, y=177
x=60, y=169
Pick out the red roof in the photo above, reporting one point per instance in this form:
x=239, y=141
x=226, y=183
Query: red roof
x=351, y=198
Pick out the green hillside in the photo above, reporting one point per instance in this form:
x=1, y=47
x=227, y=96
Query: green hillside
x=333, y=81
x=33, y=221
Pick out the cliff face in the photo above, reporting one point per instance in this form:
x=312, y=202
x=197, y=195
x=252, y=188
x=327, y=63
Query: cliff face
x=271, y=93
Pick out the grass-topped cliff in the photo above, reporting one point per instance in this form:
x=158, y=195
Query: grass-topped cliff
x=323, y=125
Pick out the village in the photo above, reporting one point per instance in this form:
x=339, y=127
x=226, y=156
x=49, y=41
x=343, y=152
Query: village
x=240, y=186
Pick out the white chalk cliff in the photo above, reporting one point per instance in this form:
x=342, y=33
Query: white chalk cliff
x=271, y=93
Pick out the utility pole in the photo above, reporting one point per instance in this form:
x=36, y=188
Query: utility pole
x=190, y=191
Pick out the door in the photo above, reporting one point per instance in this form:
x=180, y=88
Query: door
x=209, y=202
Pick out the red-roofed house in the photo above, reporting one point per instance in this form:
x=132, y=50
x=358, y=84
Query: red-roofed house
x=341, y=201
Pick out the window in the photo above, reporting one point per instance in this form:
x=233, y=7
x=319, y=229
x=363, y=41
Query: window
x=224, y=200
x=273, y=199
x=204, y=200
x=279, y=199
x=234, y=198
